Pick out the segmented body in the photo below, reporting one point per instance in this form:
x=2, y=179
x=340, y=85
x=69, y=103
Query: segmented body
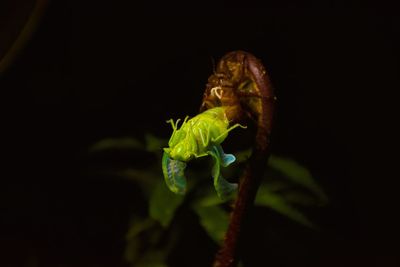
x=240, y=83
x=197, y=135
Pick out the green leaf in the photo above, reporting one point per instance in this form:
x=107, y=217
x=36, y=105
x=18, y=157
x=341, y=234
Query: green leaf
x=132, y=248
x=138, y=226
x=297, y=174
x=300, y=198
x=116, y=143
x=145, y=179
x=151, y=263
x=208, y=198
x=242, y=156
x=154, y=143
x=154, y=258
x=163, y=204
x=277, y=202
x=149, y=257
x=214, y=220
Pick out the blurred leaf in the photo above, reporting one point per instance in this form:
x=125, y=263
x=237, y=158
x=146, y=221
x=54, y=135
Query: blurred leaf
x=151, y=263
x=145, y=179
x=133, y=246
x=143, y=238
x=154, y=143
x=297, y=174
x=300, y=198
x=275, y=185
x=132, y=249
x=163, y=204
x=143, y=176
x=155, y=258
x=214, y=220
x=139, y=226
x=209, y=198
x=242, y=156
x=116, y=143
x=148, y=258
x=277, y=202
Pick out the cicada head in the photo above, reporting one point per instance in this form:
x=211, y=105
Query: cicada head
x=181, y=152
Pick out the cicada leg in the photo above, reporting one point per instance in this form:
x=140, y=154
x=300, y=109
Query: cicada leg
x=221, y=136
x=174, y=129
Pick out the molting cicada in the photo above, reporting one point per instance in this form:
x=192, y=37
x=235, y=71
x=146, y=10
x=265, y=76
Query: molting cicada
x=198, y=137
x=239, y=90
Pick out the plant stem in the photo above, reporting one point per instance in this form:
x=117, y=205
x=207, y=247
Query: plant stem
x=244, y=81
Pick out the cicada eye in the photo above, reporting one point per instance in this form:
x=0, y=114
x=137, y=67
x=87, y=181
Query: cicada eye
x=180, y=152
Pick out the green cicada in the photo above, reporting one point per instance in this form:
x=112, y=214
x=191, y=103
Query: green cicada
x=198, y=137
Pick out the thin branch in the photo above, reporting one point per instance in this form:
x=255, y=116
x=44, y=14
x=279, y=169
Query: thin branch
x=245, y=88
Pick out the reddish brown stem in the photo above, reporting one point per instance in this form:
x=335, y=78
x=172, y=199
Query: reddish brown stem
x=245, y=87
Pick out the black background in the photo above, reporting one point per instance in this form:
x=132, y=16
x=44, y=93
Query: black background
x=110, y=70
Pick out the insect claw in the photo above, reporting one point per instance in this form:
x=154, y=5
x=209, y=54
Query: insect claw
x=186, y=118
x=176, y=124
x=171, y=121
x=201, y=155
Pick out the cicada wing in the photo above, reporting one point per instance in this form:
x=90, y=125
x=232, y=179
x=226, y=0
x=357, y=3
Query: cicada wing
x=174, y=174
x=223, y=187
x=225, y=159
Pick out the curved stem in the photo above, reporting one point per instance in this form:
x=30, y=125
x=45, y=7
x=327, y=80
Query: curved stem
x=243, y=78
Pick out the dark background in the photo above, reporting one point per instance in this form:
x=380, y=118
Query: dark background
x=110, y=70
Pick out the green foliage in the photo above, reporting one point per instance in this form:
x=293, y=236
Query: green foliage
x=214, y=220
x=163, y=204
x=297, y=174
x=286, y=188
x=266, y=197
x=116, y=143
